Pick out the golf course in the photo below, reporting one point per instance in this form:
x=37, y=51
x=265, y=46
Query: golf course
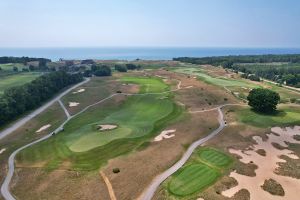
x=160, y=133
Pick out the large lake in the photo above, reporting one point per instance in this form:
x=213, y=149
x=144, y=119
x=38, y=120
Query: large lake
x=141, y=53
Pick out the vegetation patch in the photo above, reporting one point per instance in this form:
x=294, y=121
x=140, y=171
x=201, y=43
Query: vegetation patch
x=193, y=178
x=261, y=152
x=283, y=117
x=273, y=187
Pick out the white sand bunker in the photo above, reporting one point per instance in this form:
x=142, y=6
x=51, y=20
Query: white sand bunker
x=43, y=128
x=267, y=166
x=106, y=127
x=73, y=104
x=79, y=91
x=2, y=150
x=164, y=135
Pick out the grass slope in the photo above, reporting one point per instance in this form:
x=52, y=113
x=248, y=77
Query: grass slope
x=82, y=147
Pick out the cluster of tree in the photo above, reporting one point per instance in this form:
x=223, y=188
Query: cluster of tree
x=98, y=70
x=88, y=62
x=263, y=100
x=227, y=61
x=280, y=73
x=131, y=66
x=121, y=68
x=24, y=60
x=252, y=77
x=17, y=100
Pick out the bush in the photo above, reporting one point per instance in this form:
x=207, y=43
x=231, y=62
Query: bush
x=116, y=170
x=263, y=100
x=121, y=68
x=103, y=71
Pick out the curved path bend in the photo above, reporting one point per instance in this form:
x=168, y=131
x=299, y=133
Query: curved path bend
x=150, y=191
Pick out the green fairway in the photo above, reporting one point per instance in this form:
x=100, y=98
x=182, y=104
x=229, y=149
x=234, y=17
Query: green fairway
x=134, y=119
x=219, y=81
x=284, y=117
x=86, y=148
x=192, y=178
x=147, y=84
x=214, y=157
x=16, y=80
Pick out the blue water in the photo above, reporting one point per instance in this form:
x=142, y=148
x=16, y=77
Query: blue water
x=141, y=53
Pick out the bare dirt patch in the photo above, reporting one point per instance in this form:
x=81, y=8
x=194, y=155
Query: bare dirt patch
x=165, y=135
x=73, y=104
x=106, y=127
x=45, y=127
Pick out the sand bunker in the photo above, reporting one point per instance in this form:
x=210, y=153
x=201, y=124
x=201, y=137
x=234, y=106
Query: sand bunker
x=106, y=127
x=2, y=150
x=79, y=91
x=43, y=128
x=267, y=166
x=73, y=104
x=164, y=135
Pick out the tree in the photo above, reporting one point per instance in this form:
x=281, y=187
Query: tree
x=15, y=69
x=103, y=71
x=121, y=68
x=263, y=100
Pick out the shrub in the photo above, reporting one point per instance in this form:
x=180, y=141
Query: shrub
x=116, y=170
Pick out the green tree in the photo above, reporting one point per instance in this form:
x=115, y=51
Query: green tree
x=263, y=100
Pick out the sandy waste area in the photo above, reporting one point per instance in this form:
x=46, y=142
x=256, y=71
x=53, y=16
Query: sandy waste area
x=43, y=128
x=267, y=166
x=2, y=150
x=106, y=127
x=73, y=104
x=164, y=135
x=79, y=91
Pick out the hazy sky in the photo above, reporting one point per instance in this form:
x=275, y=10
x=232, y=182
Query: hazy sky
x=200, y=23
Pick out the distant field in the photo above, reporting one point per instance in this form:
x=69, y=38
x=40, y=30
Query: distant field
x=240, y=87
x=16, y=80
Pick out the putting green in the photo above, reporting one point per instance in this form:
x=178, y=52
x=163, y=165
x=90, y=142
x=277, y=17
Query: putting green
x=214, y=157
x=192, y=178
x=147, y=84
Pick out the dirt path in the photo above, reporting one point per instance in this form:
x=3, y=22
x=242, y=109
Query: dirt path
x=109, y=186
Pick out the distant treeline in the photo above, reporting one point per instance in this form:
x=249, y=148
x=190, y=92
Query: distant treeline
x=230, y=60
x=286, y=70
x=17, y=100
x=24, y=60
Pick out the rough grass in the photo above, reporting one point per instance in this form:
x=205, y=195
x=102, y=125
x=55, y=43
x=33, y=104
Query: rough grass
x=273, y=187
x=285, y=116
x=16, y=80
x=192, y=178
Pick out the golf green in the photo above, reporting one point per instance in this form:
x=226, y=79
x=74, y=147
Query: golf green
x=214, y=157
x=192, y=178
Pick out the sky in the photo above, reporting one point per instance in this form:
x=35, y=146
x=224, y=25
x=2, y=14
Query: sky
x=150, y=23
